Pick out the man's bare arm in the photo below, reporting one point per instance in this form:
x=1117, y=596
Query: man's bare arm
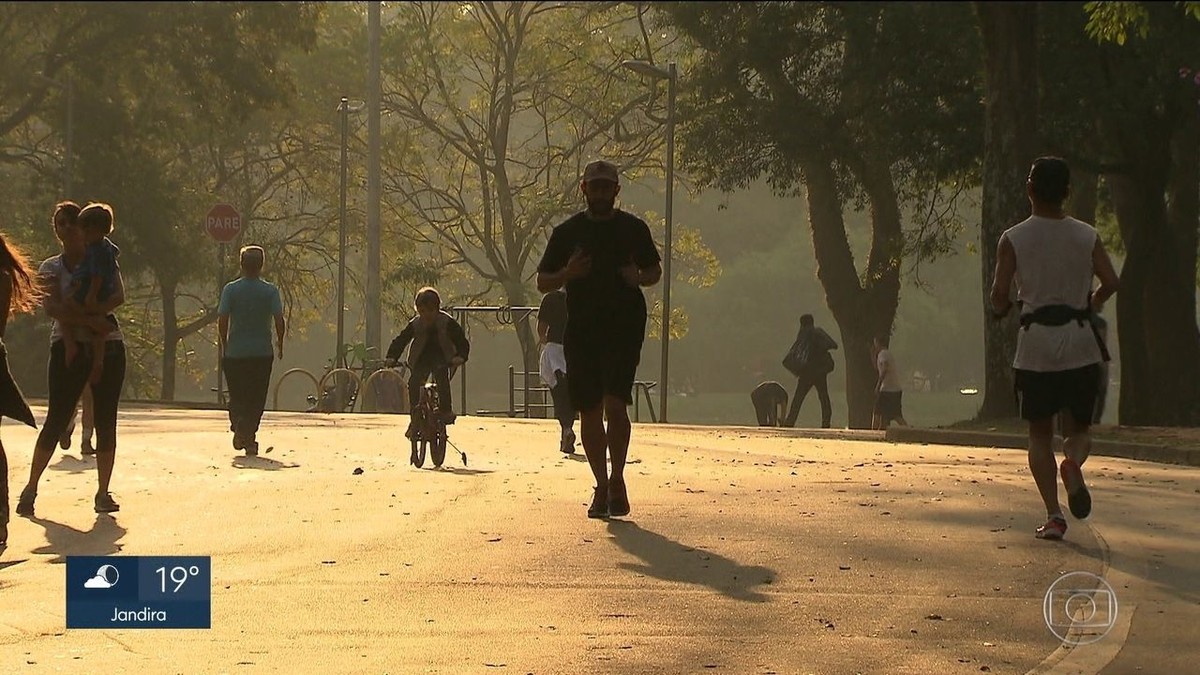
x=280, y=329
x=1109, y=280
x=1006, y=269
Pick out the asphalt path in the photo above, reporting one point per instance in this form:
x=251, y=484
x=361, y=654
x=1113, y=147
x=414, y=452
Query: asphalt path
x=747, y=551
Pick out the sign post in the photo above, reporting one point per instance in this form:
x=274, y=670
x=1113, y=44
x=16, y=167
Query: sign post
x=223, y=224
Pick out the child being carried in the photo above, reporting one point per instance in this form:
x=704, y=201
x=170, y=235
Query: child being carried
x=92, y=283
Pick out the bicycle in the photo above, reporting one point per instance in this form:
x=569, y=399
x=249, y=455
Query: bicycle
x=429, y=434
x=340, y=388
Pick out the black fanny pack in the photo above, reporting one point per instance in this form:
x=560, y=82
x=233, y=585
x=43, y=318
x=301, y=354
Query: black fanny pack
x=1056, y=315
x=1061, y=315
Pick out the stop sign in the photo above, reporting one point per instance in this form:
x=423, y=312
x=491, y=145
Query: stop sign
x=223, y=223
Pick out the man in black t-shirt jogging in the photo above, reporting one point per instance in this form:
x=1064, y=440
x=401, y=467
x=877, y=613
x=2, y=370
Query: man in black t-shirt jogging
x=603, y=256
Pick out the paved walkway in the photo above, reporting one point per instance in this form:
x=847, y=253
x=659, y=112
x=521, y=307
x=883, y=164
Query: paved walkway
x=748, y=551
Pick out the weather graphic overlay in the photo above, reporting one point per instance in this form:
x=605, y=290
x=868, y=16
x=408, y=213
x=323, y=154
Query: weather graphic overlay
x=139, y=592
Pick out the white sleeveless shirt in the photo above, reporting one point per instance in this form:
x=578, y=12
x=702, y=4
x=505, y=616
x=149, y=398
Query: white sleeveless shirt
x=1054, y=267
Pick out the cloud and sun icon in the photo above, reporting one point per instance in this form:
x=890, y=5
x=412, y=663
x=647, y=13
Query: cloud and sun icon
x=106, y=577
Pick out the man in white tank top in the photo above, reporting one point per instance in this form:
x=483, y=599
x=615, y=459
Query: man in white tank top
x=1053, y=258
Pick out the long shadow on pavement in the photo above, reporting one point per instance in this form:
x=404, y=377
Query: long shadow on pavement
x=460, y=470
x=670, y=560
x=64, y=540
x=261, y=463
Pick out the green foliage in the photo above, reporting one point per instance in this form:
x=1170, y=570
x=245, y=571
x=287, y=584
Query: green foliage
x=779, y=84
x=493, y=110
x=1113, y=21
x=152, y=83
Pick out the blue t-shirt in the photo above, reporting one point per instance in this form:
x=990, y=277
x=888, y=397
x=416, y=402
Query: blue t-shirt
x=251, y=305
x=99, y=259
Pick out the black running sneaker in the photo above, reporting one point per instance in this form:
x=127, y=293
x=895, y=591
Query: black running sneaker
x=106, y=504
x=25, y=503
x=1078, y=497
x=618, y=498
x=599, y=507
x=567, y=445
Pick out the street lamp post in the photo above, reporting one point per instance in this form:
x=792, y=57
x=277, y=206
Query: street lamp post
x=671, y=76
x=345, y=108
x=374, y=113
x=340, y=356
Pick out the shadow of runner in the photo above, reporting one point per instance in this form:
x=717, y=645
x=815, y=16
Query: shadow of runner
x=261, y=463
x=72, y=464
x=460, y=470
x=670, y=560
x=64, y=540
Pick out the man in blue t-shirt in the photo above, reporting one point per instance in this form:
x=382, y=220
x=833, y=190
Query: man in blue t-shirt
x=248, y=305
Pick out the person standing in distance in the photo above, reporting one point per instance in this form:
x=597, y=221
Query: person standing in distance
x=603, y=256
x=889, y=391
x=1053, y=259
x=244, y=316
x=813, y=363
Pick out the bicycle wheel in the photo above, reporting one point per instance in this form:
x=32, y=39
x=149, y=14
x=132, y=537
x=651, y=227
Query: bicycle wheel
x=437, y=447
x=418, y=451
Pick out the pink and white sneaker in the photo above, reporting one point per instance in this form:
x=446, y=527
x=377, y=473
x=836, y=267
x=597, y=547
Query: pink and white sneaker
x=1054, y=529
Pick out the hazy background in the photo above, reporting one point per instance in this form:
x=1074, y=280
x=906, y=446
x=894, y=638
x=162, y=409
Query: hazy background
x=739, y=328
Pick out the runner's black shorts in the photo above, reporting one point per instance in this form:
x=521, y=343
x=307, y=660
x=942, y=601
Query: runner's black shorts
x=600, y=364
x=888, y=405
x=1045, y=394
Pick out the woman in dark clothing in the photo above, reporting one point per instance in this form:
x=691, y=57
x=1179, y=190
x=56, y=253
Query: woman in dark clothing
x=18, y=293
x=67, y=379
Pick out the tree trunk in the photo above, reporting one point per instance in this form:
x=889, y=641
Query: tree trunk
x=1085, y=193
x=1009, y=34
x=860, y=313
x=1156, y=306
x=170, y=341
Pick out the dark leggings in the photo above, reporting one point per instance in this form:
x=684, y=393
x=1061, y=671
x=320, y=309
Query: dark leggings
x=803, y=384
x=561, y=396
x=66, y=382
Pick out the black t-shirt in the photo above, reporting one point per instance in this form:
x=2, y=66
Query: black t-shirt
x=602, y=299
x=554, y=312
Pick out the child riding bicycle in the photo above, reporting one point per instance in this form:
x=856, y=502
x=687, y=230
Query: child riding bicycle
x=438, y=343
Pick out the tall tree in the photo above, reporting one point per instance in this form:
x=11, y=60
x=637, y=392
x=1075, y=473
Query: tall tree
x=1009, y=32
x=205, y=66
x=1137, y=85
x=843, y=102
x=495, y=108
x=149, y=79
